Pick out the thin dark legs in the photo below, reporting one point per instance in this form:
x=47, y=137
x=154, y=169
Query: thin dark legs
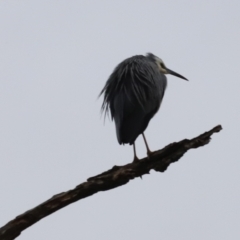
x=148, y=150
x=135, y=158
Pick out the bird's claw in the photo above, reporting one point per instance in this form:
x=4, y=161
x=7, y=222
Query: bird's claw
x=135, y=159
x=149, y=154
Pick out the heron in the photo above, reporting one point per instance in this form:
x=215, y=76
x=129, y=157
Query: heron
x=133, y=94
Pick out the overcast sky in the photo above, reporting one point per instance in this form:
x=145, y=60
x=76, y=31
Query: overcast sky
x=55, y=57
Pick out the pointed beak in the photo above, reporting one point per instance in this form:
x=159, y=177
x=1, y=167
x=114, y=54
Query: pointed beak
x=175, y=74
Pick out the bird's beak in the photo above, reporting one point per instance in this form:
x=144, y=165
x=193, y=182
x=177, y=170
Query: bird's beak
x=175, y=74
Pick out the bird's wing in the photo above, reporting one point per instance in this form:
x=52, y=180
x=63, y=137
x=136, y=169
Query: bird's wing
x=133, y=109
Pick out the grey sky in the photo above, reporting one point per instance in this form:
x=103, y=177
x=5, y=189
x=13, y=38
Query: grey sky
x=55, y=57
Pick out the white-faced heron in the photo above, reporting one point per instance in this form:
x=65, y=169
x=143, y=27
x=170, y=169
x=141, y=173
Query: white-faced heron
x=133, y=94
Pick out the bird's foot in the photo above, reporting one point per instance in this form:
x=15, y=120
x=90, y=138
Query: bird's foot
x=149, y=154
x=135, y=159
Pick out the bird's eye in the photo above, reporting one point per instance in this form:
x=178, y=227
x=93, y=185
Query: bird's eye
x=162, y=65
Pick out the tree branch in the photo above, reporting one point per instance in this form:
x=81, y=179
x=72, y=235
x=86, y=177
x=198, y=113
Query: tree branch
x=115, y=177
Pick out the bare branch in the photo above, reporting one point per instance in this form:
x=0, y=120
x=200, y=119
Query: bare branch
x=115, y=177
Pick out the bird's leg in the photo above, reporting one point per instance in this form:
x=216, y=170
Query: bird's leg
x=148, y=150
x=135, y=158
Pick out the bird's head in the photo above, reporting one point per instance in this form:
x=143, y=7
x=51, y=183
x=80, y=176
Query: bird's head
x=162, y=67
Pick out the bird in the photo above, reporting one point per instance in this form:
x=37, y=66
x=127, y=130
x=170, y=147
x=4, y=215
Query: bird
x=133, y=95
